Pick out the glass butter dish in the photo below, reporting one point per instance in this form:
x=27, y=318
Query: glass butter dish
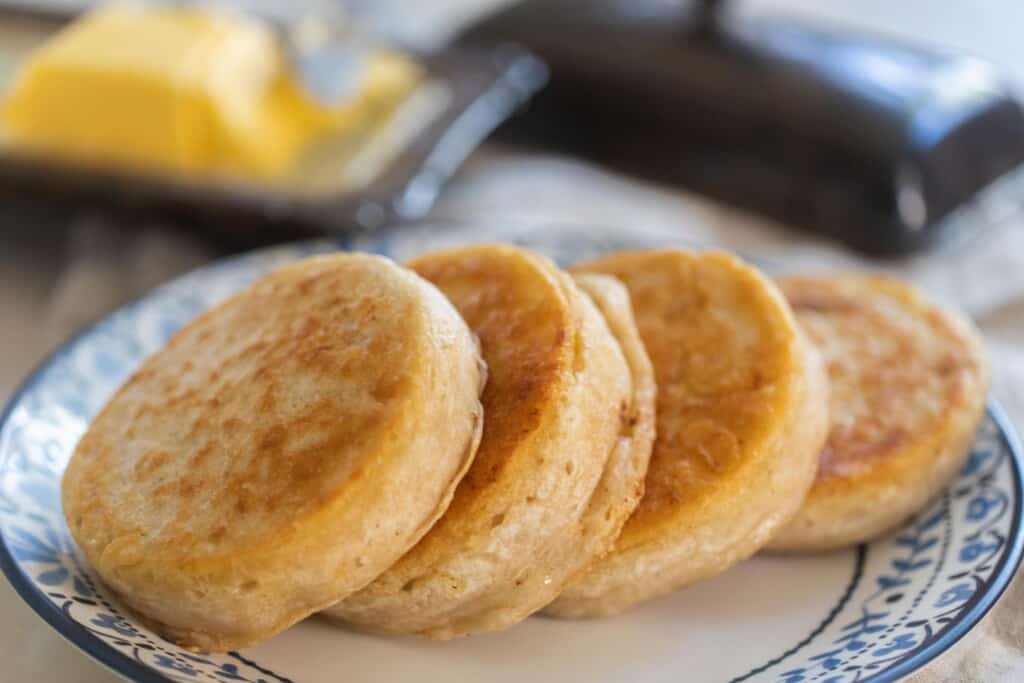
x=210, y=117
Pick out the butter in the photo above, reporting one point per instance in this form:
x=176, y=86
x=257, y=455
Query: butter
x=182, y=89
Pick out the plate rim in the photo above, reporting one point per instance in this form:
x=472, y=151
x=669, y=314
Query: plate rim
x=70, y=630
x=1004, y=577
x=125, y=667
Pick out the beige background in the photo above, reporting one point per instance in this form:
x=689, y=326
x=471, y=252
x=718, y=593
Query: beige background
x=53, y=281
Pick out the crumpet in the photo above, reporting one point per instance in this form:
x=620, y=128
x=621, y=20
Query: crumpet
x=622, y=484
x=280, y=452
x=741, y=417
x=908, y=389
x=557, y=404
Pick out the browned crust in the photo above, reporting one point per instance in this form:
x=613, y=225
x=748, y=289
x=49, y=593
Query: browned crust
x=740, y=421
x=281, y=424
x=909, y=384
x=515, y=532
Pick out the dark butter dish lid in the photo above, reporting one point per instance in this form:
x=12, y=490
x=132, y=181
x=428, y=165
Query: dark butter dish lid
x=856, y=136
x=402, y=165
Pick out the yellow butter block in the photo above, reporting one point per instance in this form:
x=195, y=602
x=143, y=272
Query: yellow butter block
x=142, y=86
x=184, y=89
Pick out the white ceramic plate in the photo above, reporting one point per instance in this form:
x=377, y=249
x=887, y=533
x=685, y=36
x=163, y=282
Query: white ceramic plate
x=872, y=613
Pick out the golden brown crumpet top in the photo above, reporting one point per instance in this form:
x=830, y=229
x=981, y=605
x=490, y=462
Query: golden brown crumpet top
x=556, y=404
x=280, y=452
x=741, y=417
x=908, y=389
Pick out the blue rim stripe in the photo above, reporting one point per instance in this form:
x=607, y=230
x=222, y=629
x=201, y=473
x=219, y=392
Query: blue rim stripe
x=985, y=599
x=858, y=571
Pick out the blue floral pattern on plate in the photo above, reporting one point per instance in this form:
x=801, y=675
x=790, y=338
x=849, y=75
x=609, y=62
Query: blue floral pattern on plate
x=912, y=595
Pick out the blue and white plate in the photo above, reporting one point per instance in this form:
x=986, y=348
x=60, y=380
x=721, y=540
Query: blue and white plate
x=873, y=613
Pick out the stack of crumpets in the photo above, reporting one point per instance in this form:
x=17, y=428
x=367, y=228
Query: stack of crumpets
x=448, y=447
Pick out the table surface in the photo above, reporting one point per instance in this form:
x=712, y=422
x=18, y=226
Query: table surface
x=54, y=281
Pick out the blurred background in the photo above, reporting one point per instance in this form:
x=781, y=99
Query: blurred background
x=876, y=132
x=816, y=135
